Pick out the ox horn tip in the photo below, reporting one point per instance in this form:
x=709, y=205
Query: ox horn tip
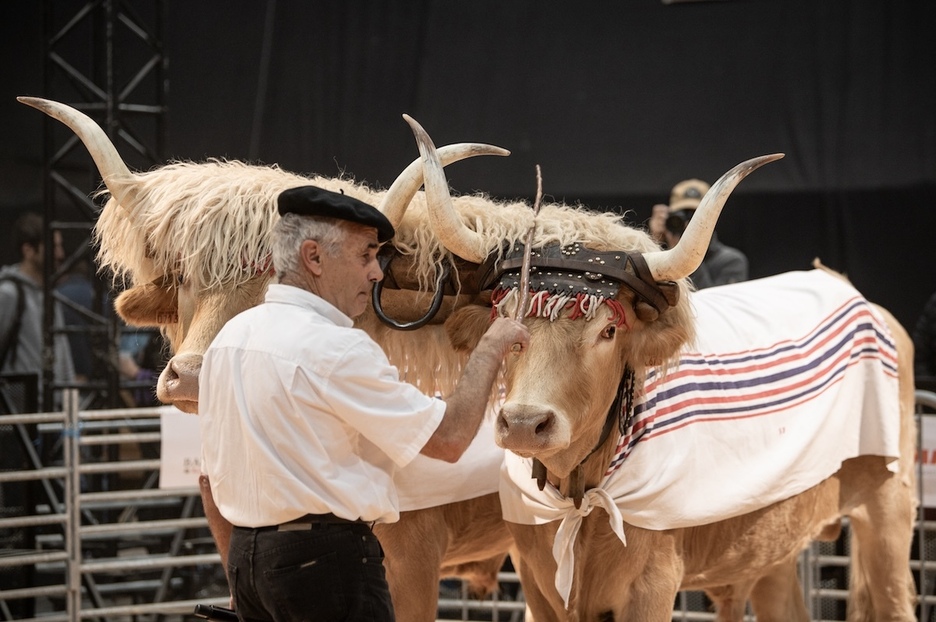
x=486, y=149
x=423, y=141
x=35, y=102
x=413, y=123
x=772, y=157
x=44, y=105
x=742, y=170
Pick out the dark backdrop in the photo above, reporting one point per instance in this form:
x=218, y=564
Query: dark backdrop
x=617, y=100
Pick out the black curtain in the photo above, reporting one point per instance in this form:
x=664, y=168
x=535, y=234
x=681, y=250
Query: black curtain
x=616, y=101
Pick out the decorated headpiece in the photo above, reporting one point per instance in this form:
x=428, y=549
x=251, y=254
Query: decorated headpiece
x=577, y=278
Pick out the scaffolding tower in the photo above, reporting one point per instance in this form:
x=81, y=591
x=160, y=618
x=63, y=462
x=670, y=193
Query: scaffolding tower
x=105, y=58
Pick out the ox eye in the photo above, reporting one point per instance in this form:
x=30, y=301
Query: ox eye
x=180, y=279
x=609, y=331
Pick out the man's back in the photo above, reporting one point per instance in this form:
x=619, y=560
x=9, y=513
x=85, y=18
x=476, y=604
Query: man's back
x=725, y=264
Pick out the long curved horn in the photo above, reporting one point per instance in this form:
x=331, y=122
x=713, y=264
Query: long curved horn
x=116, y=175
x=683, y=259
x=443, y=219
x=402, y=190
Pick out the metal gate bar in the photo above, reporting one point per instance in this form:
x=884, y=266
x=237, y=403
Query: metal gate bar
x=83, y=537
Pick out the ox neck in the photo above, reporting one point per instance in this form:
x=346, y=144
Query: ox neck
x=621, y=412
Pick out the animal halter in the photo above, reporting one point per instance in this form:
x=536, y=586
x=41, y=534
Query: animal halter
x=579, y=280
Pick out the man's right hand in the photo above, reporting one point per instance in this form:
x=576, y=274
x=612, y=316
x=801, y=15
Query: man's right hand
x=506, y=334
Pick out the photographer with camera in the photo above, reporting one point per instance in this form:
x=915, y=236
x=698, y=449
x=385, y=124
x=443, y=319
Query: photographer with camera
x=722, y=264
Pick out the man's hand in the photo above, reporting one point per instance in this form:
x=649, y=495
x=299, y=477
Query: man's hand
x=507, y=335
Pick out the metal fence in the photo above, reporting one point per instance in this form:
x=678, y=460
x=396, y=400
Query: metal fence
x=85, y=532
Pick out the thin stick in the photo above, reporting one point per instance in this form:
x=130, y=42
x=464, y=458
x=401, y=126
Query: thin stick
x=527, y=250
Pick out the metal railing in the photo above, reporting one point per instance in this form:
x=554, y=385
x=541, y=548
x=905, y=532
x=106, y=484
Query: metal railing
x=110, y=545
x=108, y=542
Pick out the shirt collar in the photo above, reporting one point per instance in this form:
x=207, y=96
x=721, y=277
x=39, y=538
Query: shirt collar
x=289, y=294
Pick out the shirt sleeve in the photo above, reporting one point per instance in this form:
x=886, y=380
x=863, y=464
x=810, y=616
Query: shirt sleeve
x=365, y=390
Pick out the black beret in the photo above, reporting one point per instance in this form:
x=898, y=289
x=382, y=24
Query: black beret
x=315, y=201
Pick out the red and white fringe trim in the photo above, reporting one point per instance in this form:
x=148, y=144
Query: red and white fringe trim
x=544, y=304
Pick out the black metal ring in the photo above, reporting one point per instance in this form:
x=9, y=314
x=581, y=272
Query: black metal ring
x=444, y=273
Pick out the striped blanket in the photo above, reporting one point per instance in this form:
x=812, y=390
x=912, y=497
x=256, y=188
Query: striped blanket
x=789, y=376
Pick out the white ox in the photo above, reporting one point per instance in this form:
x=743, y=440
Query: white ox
x=660, y=441
x=193, y=242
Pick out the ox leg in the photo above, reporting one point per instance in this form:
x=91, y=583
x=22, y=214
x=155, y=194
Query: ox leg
x=882, y=528
x=538, y=606
x=218, y=525
x=730, y=601
x=778, y=595
x=881, y=541
x=413, y=550
x=537, y=570
x=633, y=583
x=651, y=595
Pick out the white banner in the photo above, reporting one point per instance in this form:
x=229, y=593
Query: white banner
x=180, y=450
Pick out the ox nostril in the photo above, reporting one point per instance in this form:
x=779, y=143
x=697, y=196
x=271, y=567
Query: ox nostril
x=546, y=424
x=501, y=424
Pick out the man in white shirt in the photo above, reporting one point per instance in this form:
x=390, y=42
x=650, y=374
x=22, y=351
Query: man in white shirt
x=306, y=420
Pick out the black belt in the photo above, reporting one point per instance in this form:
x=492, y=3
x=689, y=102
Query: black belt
x=311, y=521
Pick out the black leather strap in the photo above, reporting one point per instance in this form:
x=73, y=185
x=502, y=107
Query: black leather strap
x=577, y=269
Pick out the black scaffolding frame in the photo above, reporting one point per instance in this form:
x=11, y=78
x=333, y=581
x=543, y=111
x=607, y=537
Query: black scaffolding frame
x=105, y=58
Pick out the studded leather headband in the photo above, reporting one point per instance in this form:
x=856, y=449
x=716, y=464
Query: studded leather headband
x=575, y=269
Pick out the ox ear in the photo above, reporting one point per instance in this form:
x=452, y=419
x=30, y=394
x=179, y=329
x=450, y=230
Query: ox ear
x=152, y=304
x=466, y=326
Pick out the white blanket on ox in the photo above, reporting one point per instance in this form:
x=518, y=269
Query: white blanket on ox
x=789, y=376
x=426, y=482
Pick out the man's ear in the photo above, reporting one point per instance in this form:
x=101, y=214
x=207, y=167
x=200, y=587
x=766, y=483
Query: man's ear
x=310, y=254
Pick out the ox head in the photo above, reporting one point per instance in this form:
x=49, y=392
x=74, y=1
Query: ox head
x=606, y=304
x=193, y=240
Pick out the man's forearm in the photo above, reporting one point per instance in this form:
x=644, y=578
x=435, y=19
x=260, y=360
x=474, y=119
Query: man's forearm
x=466, y=406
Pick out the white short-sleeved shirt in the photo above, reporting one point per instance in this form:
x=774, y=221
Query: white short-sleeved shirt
x=303, y=414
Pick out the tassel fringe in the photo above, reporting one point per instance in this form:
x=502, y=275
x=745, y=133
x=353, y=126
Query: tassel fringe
x=544, y=304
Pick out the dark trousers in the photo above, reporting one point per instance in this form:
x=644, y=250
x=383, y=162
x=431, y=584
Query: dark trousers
x=327, y=572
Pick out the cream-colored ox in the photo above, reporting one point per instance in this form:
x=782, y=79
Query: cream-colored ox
x=193, y=242
x=610, y=377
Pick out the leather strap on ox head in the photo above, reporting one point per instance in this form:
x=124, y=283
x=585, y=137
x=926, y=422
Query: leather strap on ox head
x=575, y=269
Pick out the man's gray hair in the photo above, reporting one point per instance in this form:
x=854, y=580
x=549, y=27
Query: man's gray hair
x=292, y=230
